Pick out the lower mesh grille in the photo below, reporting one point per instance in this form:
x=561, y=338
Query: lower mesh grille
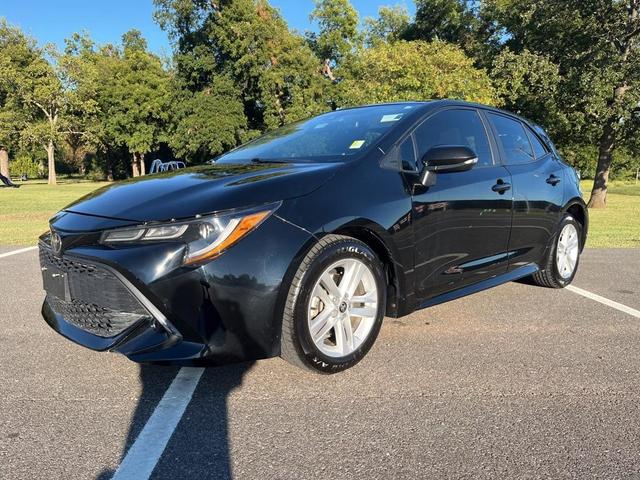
x=93, y=318
x=96, y=300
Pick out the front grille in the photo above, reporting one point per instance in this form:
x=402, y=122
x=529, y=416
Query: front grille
x=95, y=299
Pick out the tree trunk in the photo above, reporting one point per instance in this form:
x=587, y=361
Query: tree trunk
x=143, y=170
x=4, y=162
x=108, y=165
x=51, y=161
x=135, y=165
x=605, y=155
x=109, y=169
x=607, y=142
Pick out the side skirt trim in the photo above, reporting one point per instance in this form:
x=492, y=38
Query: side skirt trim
x=519, y=272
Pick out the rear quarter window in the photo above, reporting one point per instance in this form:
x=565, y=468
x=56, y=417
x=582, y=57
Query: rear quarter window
x=538, y=147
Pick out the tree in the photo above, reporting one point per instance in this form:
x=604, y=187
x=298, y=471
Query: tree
x=415, y=71
x=391, y=25
x=338, y=29
x=42, y=93
x=594, y=44
x=143, y=93
x=40, y=88
x=528, y=84
x=78, y=70
x=207, y=123
x=133, y=95
x=447, y=20
x=465, y=23
x=16, y=52
x=100, y=73
x=247, y=41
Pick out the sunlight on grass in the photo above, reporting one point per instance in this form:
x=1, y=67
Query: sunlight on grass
x=25, y=211
x=618, y=225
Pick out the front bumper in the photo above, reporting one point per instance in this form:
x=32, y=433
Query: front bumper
x=133, y=301
x=97, y=307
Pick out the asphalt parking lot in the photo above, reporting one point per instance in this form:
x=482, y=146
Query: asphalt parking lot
x=515, y=382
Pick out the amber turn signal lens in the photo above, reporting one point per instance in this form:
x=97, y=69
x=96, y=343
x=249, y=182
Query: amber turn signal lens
x=246, y=225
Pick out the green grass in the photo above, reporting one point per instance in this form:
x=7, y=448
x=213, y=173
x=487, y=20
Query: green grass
x=618, y=225
x=24, y=212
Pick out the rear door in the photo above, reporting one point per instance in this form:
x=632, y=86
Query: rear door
x=537, y=188
x=462, y=222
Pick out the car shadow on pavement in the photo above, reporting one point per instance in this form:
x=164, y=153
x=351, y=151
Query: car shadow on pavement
x=200, y=448
x=200, y=445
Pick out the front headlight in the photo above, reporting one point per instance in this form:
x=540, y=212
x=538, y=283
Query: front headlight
x=206, y=237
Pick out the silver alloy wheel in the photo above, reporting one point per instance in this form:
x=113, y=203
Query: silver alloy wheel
x=567, y=251
x=343, y=308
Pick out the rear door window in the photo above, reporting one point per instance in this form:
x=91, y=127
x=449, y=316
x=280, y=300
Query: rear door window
x=513, y=138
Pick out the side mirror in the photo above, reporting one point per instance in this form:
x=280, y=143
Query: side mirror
x=448, y=158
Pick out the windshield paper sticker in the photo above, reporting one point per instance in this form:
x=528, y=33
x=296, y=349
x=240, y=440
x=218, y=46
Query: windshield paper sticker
x=357, y=144
x=391, y=118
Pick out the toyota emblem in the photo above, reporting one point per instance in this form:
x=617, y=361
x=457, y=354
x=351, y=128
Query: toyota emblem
x=56, y=243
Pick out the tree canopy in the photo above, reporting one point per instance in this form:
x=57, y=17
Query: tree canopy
x=208, y=122
x=238, y=70
x=276, y=72
x=417, y=70
x=392, y=24
x=338, y=34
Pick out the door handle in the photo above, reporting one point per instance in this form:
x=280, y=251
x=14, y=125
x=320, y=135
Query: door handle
x=501, y=186
x=553, y=180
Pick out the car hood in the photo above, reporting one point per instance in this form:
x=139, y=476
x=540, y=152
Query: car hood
x=204, y=189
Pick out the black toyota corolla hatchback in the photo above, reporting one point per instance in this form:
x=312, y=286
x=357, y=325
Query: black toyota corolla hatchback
x=298, y=243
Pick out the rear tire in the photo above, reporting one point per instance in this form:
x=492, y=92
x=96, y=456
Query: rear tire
x=330, y=325
x=562, y=261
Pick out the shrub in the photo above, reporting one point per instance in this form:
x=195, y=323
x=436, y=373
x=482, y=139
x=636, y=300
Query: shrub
x=25, y=164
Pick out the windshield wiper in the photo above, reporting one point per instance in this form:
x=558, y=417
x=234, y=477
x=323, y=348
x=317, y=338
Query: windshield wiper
x=266, y=160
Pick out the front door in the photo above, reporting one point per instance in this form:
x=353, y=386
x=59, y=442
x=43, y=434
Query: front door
x=462, y=222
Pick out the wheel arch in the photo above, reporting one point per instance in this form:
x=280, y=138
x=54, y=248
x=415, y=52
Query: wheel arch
x=578, y=210
x=364, y=232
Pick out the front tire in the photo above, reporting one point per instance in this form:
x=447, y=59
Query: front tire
x=561, y=264
x=334, y=307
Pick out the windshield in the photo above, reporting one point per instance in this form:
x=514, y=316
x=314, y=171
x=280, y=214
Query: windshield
x=334, y=136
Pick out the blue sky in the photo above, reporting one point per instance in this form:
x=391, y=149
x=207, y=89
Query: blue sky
x=106, y=21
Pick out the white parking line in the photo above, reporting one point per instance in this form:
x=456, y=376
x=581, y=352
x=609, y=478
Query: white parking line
x=145, y=452
x=16, y=252
x=605, y=301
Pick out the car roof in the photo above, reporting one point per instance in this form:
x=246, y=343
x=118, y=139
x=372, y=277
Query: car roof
x=463, y=103
x=427, y=105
